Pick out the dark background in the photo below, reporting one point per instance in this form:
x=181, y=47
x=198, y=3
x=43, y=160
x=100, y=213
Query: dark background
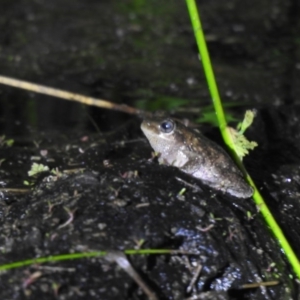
x=137, y=51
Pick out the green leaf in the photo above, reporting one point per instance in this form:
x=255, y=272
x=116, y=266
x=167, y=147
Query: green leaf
x=25, y=182
x=4, y=141
x=211, y=118
x=248, y=119
x=9, y=142
x=37, y=168
x=241, y=143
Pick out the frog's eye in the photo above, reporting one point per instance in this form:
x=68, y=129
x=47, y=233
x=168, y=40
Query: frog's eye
x=167, y=126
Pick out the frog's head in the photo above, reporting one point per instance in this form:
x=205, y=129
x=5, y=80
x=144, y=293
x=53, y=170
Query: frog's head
x=164, y=134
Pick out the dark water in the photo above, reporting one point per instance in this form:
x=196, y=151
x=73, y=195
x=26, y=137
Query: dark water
x=136, y=51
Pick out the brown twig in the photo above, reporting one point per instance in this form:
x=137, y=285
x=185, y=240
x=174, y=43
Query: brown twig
x=194, y=278
x=258, y=284
x=120, y=259
x=14, y=190
x=37, y=88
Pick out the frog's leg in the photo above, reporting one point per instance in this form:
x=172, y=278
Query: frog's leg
x=194, y=166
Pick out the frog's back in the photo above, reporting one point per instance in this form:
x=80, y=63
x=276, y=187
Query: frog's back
x=215, y=167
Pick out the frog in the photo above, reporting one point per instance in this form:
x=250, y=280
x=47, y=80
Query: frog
x=193, y=153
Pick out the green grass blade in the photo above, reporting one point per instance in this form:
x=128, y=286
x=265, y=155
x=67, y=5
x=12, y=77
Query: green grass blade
x=201, y=43
x=209, y=74
x=70, y=256
x=52, y=258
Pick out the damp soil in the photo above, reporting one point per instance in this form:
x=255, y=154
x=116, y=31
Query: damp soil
x=108, y=192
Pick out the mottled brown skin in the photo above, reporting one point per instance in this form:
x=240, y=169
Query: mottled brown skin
x=196, y=155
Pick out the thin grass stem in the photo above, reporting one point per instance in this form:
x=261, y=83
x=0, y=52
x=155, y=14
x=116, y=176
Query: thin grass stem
x=209, y=74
